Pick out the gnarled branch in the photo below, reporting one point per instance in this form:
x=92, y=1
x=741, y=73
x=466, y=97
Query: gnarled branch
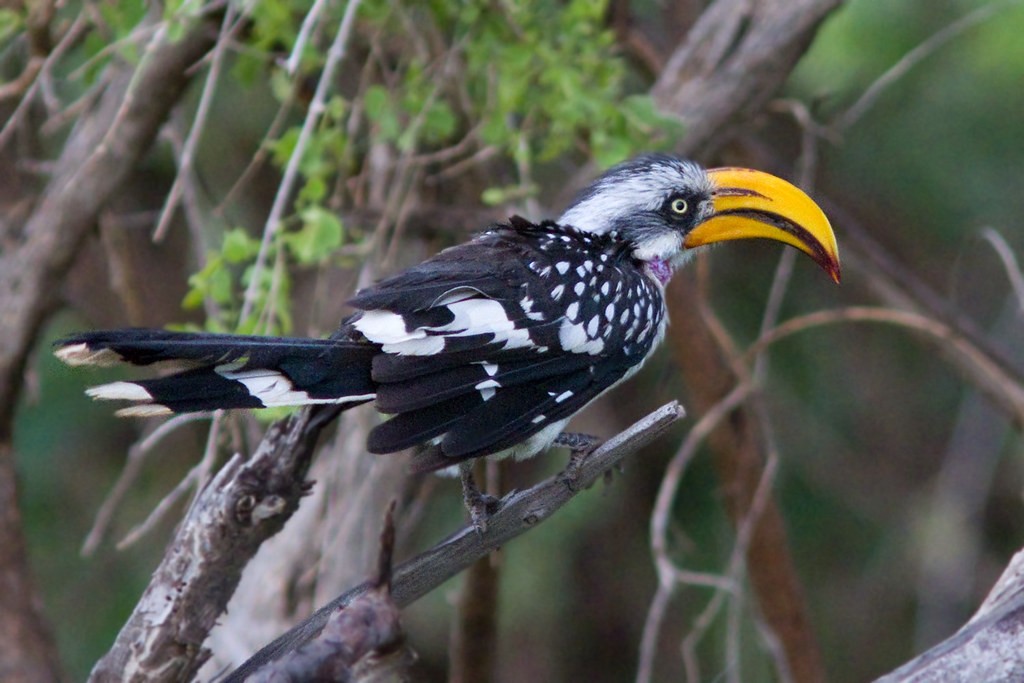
x=519, y=512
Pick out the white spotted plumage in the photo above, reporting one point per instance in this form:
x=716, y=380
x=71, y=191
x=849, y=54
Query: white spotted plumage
x=488, y=348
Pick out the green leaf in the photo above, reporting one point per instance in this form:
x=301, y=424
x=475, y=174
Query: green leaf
x=199, y=282
x=193, y=299
x=10, y=22
x=336, y=107
x=494, y=196
x=377, y=102
x=220, y=289
x=313, y=191
x=239, y=246
x=281, y=149
x=321, y=234
x=609, y=151
x=381, y=110
x=281, y=84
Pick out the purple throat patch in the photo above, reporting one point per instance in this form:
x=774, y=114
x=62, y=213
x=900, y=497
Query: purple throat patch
x=660, y=269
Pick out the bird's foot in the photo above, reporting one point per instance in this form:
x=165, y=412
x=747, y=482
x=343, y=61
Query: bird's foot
x=479, y=505
x=581, y=446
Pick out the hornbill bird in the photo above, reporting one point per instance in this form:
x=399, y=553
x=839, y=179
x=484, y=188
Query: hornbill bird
x=491, y=346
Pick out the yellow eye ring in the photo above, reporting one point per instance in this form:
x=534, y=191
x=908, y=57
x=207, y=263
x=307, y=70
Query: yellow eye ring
x=679, y=206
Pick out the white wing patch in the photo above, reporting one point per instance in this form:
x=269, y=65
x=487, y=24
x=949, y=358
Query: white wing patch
x=274, y=389
x=385, y=327
x=472, y=315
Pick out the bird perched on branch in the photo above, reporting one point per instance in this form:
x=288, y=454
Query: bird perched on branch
x=491, y=346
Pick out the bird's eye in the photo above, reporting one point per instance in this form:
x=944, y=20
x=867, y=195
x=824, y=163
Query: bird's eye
x=679, y=206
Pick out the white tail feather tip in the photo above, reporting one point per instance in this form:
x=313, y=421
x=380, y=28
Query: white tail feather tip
x=144, y=410
x=81, y=354
x=119, y=391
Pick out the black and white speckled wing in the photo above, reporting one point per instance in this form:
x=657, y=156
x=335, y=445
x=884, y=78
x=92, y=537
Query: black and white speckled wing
x=491, y=342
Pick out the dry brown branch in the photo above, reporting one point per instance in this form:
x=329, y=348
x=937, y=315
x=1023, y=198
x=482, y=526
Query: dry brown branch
x=977, y=367
x=732, y=63
x=22, y=82
x=243, y=505
x=98, y=155
x=361, y=641
x=519, y=512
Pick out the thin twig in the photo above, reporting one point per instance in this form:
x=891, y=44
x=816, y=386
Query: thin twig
x=309, y=22
x=195, y=134
x=261, y=154
x=141, y=32
x=804, y=178
x=71, y=36
x=988, y=376
x=1009, y=260
x=652, y=629
x=916, y=56
x=197, y=477
x=133, y=466
x=669, y=576
x=737, y=560
x=335, y=54
x=672, y=478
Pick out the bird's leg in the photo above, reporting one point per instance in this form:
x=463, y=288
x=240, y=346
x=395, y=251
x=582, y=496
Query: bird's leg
x=480, y=505
x=580, y=446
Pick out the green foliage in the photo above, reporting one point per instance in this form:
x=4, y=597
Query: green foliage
x=538, y=71
x=228, y=272
x=11, y=21
x=120, y=20
x=534, y=79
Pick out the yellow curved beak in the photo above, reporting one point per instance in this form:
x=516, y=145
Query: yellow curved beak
x=755, y=204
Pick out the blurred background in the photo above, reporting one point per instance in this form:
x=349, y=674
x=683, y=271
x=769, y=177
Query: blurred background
x=896, y=470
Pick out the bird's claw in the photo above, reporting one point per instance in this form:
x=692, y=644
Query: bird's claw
x=480, y=510
x=581, y=446
x=480, y=505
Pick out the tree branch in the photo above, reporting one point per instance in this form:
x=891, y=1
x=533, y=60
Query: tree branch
x=244, y=504
x=100, y=152
x=361, y=642
x=987, y=648
x=734, y=60
x=519, y=512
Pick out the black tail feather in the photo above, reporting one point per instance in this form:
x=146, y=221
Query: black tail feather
x=228, y=371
